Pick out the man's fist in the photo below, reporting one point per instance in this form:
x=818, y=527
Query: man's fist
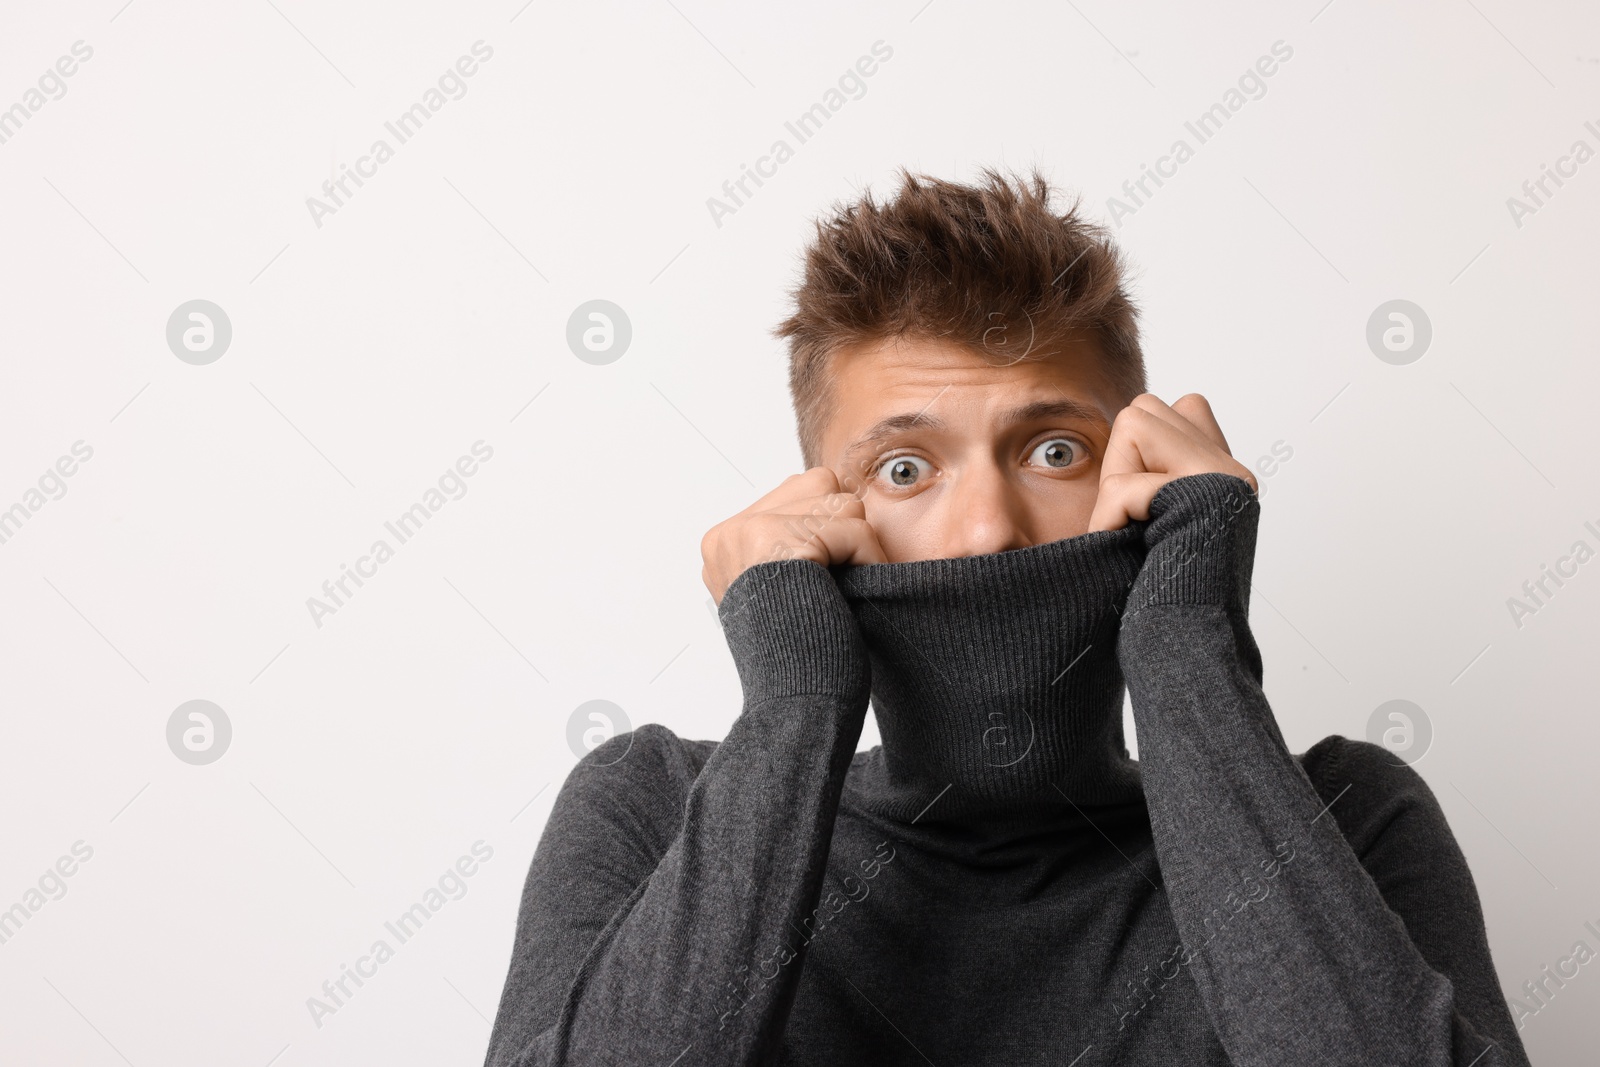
x=1152, y=444
x=806, y=517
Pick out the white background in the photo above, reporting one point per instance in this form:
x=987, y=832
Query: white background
x=424, y=315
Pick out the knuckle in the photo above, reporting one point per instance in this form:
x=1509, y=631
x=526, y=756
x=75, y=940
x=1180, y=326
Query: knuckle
x=1129, y=483
x=708, y=541
x=768, y=521
x=1129, y=416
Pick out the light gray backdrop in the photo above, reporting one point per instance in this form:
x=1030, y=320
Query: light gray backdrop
x=358, y=750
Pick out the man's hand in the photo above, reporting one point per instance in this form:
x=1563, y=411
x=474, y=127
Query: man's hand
x=806, y=517
x=1152, y=444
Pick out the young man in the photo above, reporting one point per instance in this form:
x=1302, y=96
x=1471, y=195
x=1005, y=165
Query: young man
x=998, y=529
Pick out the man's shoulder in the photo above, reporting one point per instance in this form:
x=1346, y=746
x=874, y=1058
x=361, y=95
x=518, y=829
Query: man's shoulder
x=1369, y=791
x=645, y=772
x=1338, y=761
x=628, y=792
x=649, y=754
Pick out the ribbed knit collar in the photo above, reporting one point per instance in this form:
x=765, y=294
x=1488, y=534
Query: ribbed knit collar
x=995, y=681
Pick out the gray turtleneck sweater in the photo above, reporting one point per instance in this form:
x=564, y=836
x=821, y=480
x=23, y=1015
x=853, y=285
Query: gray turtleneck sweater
x=998, y=883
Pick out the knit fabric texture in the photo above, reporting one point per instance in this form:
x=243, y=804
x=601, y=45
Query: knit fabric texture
x=995, y=681
x=998, y=882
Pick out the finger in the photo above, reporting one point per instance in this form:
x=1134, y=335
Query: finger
x=1160, y=443
x=1154, y=405
x=1122, y=454
x=1125, y=497
x=836, y=506
x=816, y=510
x=816, y=481
x=857, y=475
x=840, y=540
x=1197, y=410
x=1176, y=446
x=844, y=503
x=855, y=541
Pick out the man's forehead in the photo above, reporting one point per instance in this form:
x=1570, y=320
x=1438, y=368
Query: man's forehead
x=1061, y=407
x=889, y=389
x=887, y=370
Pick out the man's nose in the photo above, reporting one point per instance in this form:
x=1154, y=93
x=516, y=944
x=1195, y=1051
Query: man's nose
x=986, y=513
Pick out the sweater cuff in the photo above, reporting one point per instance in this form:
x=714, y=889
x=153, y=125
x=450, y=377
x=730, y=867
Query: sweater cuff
x=791, y=632
x=1200, y=544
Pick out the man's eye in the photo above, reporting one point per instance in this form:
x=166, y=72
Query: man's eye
x=1057, y=452
x=903, y=472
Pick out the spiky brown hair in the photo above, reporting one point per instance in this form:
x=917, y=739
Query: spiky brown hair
x=989, y=266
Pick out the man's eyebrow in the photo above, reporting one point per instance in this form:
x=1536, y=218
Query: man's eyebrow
x=1064, y=408
x=894, y=424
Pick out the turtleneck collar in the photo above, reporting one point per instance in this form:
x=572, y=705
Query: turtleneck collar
x=995, y=681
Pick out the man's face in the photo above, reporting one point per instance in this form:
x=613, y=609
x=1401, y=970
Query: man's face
x=963, y=453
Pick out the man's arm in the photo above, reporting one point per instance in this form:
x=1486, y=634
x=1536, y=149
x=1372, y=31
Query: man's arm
x=636, y=945
x=1296, y=953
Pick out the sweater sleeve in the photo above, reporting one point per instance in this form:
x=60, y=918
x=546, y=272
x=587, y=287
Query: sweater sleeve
x=655, y=931
x=1298, y=955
